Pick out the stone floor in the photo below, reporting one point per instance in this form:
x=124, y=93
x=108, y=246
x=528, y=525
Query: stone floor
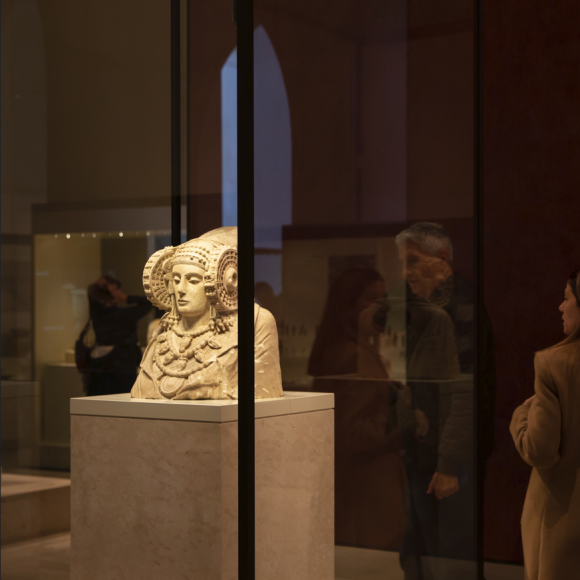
x=362, y=564
x=40, y=559
x=48, y=559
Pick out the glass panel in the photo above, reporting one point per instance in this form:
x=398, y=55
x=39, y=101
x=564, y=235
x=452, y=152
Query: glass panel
x=364, y=233
x=85, y=193
x=212, y=117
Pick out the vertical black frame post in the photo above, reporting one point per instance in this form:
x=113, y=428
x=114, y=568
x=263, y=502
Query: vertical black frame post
x=175, y=123
x=244, y=16
x=480, y=350
x=188, y=208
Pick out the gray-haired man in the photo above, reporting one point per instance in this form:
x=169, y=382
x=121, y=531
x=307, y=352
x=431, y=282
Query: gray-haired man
x=438, y=397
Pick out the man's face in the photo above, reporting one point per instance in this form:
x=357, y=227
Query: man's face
x=189, y=290
x=422, y=271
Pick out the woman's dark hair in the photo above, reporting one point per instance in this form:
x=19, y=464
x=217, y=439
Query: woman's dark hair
x=99, y=292
x=111, y=280
x=574, y=285
x=339, y=323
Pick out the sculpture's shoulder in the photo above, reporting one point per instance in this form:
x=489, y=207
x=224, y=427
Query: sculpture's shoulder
x=267, y=356
x=229, y=340
x=146, y=386
x=264, y=320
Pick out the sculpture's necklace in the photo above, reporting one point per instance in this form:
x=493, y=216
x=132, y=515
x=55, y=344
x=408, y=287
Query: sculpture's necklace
x=188, y=337
x=194, y=350
x=182, y=374
x=167, y=353
x=193, y=333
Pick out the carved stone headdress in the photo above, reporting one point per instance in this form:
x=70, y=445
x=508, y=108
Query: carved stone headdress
x=215, y=252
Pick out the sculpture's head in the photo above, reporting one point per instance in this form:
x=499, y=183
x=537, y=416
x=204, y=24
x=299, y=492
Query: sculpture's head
x=196, y=276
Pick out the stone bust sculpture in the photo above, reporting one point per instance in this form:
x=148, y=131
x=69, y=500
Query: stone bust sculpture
x=193, y=352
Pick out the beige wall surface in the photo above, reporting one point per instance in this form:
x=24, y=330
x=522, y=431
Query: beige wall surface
x=63, y=270
x=108, y=98
x=24, y=116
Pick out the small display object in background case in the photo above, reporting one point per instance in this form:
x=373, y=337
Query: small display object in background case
x=193, y=352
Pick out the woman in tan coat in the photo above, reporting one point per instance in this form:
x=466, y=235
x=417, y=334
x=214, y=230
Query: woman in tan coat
x=546, y=431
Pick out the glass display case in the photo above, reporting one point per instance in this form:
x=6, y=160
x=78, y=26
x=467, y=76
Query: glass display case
x=381, y=104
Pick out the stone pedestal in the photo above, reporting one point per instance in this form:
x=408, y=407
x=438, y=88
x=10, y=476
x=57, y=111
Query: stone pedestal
x=154, y=488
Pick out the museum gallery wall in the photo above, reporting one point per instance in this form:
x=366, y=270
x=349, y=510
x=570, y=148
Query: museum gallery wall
x=531, y=210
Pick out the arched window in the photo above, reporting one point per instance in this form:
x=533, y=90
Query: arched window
x=273, y=159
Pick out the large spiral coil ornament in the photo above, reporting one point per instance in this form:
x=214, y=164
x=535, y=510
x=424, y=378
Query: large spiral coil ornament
x=221, y=281
x=153, y=278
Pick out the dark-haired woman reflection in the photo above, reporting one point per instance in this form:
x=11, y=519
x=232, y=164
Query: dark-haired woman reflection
x=337, y=348
x=116, y=355
x=546, y=431
x=345, y=360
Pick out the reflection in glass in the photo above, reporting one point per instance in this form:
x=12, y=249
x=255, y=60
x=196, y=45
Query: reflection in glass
x=434, y=409
x=339, y=348
x=116, y=353
x=380, y=102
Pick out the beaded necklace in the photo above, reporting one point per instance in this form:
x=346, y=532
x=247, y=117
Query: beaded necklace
x=190, y=348
x=167, y=353
x=187, y=337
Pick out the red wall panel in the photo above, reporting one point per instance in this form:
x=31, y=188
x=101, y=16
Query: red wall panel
x=532, y=217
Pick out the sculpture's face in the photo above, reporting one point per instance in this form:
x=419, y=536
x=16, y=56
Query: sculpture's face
x=190, y=294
